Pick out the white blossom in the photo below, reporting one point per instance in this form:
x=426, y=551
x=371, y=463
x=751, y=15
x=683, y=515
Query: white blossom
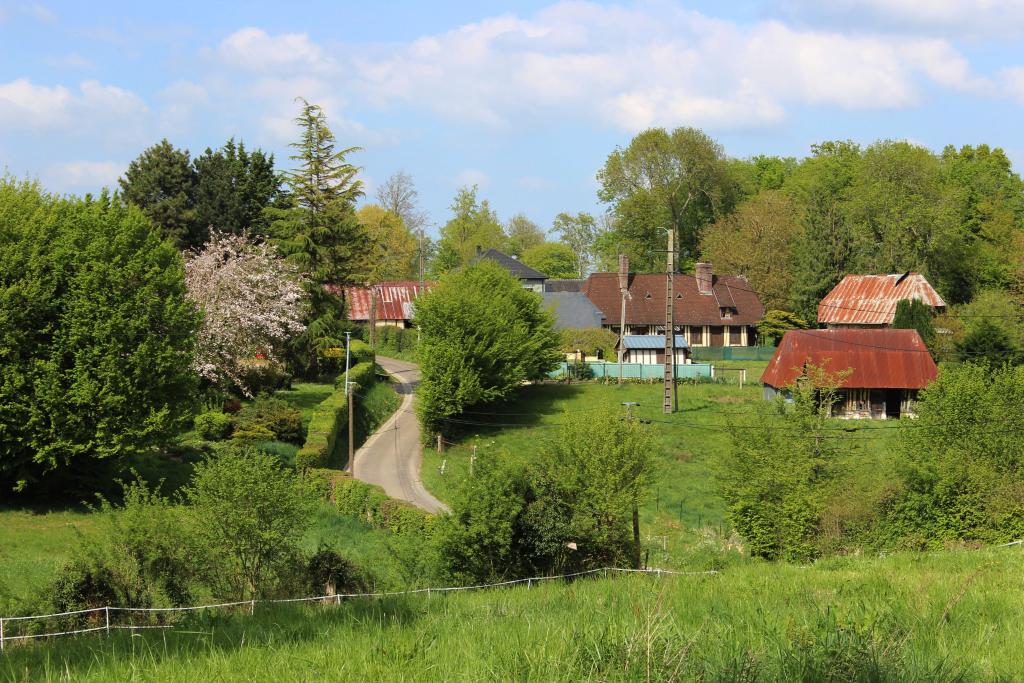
x=252, y=304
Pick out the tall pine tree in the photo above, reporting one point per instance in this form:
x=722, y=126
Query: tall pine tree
x=317, y=229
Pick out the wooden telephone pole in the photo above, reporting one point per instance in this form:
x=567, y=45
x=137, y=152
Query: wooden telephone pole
x=670, y=400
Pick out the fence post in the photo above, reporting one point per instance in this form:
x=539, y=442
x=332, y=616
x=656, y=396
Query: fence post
x=1, y=634
x=106, y=611
x=252, y=607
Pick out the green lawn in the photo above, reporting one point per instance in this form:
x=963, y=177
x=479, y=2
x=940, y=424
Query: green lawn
x=940, y=617
x=690, y=446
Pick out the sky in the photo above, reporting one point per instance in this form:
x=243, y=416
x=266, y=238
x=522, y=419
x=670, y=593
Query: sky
x=525, y=100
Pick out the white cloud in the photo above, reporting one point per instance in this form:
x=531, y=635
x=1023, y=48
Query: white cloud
x=472, y=176
x=255, y=50
x=25, y=105
x=953, y=18
x=1013, y=82
x=84, y=174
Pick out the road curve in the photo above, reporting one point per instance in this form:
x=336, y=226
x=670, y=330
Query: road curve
x=392, y=457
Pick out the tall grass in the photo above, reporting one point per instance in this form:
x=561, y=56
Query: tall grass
x=942, y=617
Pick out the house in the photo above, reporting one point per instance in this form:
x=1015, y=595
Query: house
x=649, y=349
x=870, y=300
x=572, y=310
x=887, y=368
x=387, y=303
x=531, y=279
x=707, y=310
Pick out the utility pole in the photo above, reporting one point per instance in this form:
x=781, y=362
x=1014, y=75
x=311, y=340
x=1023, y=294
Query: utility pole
x=636, y=508
x=623, y=292
x=373, y=315
x=670, y=400
x=348, y=398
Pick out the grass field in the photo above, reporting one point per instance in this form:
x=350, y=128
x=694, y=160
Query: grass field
x=942, y=617
x=691, y=443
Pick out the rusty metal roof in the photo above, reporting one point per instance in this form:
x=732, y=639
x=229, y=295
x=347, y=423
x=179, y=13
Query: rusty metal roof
x=394, y=299
x=879, y=358
x=872, y=299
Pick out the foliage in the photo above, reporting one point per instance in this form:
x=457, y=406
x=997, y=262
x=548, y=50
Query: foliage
x=964, y=461
x=328, y=573
x=96, y=340
x=329, y=422
x=482, y=336
x=162, y=182
x=988, y=342
x=775, y=324
x=664, y=179
x=317, y=229
x=756, y=241
x=214, y=425
x=773, y=481
x=553, y=259
x=592, y=341
x=579, y=232
x=913, y=314
x=280, y=418
x=249, y=515
x=473, y=224
x=393, y=248
x=370, y=504
x=991, y=326
x=252, y=303
x=233, y=186
x=523, y=234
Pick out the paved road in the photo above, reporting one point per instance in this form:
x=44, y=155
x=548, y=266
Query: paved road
x=392, y=457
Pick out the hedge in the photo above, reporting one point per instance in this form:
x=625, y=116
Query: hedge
x=369, y=503
x=329, y=422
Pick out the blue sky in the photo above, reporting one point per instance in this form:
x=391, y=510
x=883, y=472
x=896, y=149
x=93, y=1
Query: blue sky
x=524, y=99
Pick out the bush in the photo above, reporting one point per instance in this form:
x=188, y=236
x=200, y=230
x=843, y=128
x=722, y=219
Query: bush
x=370, y=504
x=329, y=421
x=328, y=573
x=214, y=425
x=264, y=377
x=280, y=418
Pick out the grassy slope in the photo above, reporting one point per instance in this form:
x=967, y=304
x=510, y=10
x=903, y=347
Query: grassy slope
x=33, y=545
x=904, y=617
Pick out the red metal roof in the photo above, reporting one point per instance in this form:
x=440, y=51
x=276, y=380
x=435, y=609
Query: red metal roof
x=872, y=299
x=394, y=299
x=646, y=302
x=879, y=358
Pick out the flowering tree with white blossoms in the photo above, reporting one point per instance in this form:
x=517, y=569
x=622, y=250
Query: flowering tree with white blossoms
x=252, y=303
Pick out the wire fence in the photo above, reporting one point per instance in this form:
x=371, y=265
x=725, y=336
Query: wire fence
x=105, y=618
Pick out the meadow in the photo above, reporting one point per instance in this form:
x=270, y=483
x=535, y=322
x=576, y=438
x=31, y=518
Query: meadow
x=942, y=617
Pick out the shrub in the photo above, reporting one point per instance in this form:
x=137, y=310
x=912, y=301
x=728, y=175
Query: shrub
x=280, y=418
x=214, y=425
x=251, y=433
x=370, y=504
x=328, y=573
x=329, y=421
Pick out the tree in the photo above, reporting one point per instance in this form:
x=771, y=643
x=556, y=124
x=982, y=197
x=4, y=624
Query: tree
x=318, y=230
x=553, y=259
x=482, y=336
x=913, y=314
x=774, y=480
x=756, y=241
x=992, y=327
x=398, y=195
x=775, y=324
x=523, y=234
x=97, y=339
x=162, y=182
x=676, y=180
x=252, y=303
x=579, y=232
x=248, y=516
x=473, y=224
x=233, y=187
x=987, y=342
x=393, y=254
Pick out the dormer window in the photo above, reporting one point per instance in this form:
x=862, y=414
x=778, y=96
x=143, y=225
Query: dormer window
x=726, y=313
x=679, y=296
x=647, y=296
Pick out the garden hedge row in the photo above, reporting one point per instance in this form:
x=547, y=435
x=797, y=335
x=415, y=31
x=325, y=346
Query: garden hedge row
x=369, y=503
x=329, y=422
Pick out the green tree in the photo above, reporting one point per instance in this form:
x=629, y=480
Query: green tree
x=986, y=341
x=579, y=232
x=522, y=234
x=756, y=241
x=775, y=324
x=482, y=336
x=162, y=182
x=233, y=187
x=248, y=518
x=96, y=337
x=663, y=179
x=553, y=259
x=473, y=224
x=316, y=228
x=913, y=314
x=393, y=248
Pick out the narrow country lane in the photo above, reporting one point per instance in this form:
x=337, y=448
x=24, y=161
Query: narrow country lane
x=391, y=458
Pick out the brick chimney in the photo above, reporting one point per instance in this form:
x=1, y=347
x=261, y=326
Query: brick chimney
x=705, y=278
x=623, y=272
